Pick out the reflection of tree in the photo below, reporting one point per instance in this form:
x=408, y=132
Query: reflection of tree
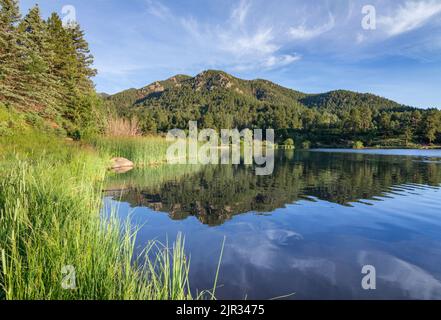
x=217, y=193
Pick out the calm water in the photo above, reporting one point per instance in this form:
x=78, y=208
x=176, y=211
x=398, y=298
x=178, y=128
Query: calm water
x=308, y=229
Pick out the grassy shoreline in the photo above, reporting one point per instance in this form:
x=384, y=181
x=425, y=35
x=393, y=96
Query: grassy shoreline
x=50, y=202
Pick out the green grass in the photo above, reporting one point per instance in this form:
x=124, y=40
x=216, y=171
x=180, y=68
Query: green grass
x=143, y=151
x=50, y=204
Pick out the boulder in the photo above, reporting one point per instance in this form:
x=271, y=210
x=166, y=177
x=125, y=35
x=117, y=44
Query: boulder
x=119, y=163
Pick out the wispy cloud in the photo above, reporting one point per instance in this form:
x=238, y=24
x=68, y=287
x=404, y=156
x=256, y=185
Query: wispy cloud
x=157, y=9
x=239, y=14
x=258, y=43
x=302, y=32
x=282, y=60
x=238, y=44
x=410, y=16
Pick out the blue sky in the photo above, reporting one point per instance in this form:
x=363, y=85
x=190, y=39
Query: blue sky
x=311, y=46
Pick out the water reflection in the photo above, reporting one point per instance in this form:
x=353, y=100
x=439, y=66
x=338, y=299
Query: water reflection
x=308, y=229
x=214, y=194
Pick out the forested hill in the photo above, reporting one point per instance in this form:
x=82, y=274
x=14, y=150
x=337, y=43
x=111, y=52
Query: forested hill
x=210, y=85
x=218, y=100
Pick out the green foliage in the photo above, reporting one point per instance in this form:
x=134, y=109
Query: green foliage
x=289, y=143
x=218, y=100
x=306, y=145
x=358, y=145
x=50, y=199
x=433, y=125
x=143, y=151
x=45, y=70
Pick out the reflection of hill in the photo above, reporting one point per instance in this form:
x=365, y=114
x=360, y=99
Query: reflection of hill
x=217, y=193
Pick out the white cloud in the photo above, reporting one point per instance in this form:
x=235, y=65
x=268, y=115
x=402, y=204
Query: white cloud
x=259, y=43
x=157, y=9
x=268, y=63
x=239, y=43
x=280, y=61
x=239, y=14
x=258, y=50
x=410, y=16
x=303, y=33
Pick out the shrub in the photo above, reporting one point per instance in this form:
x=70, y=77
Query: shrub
x=289, y=143
x=306, y=145
x=358, y=145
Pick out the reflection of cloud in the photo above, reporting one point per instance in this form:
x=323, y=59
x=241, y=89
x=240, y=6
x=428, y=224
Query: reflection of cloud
x=264, y=250
x=413, y=280
x=410, y=16
x=320, y=267
x=281, y=236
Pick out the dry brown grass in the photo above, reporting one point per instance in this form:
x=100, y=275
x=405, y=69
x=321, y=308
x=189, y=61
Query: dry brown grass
x=119, y=127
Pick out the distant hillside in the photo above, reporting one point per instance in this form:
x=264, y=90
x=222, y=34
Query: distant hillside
x=211, y=83
x=219, y=100
x=335, y=100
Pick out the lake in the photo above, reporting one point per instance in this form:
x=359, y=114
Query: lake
x=305, y=232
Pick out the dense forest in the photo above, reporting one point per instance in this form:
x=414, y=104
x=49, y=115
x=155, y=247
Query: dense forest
x=45, y=75
x=218, y=100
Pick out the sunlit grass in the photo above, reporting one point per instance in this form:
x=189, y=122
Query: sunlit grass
x=50, y=204
x=143, y=151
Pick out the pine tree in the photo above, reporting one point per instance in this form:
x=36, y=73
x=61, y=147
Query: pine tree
x=11, y=54
x=64, y=60
x=84, y=58
x=41, y=82
x=83, y=101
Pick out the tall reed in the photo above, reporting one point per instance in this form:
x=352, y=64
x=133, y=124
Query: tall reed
x=143, y=151
x=50, y=204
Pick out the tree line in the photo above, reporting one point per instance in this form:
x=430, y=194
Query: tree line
x=46, y=70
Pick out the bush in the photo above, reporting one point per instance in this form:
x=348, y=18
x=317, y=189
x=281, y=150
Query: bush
x=358, y=145
x=289, y=143
x=306, y=145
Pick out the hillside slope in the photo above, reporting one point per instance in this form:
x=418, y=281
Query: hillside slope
x=211, y=83
x=219, y=100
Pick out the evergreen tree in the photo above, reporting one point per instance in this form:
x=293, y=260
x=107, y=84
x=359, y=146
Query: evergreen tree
x=41, y=83
x=46, y=69
x=433, y=125
x=11, y=54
